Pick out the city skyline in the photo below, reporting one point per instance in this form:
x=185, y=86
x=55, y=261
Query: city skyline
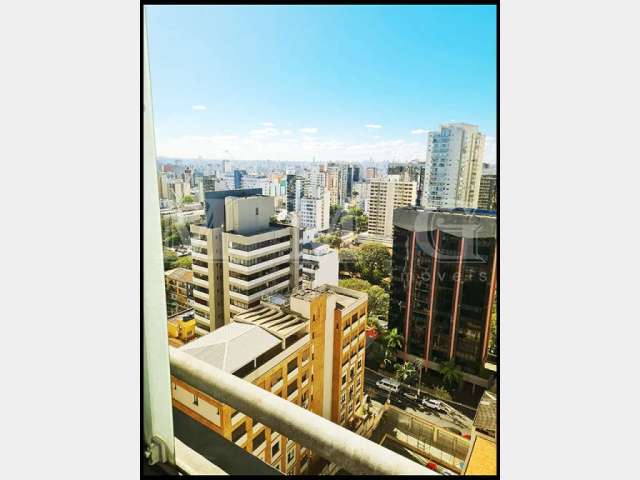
x=337, y=84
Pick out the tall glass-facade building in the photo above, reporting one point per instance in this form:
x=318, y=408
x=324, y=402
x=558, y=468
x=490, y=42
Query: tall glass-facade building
x=444, y=283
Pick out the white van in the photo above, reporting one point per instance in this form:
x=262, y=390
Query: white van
x=389, y=385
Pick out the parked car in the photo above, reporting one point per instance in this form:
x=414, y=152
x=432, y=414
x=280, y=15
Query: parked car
x=411, y=395
x=389, y=385
x=431, y=403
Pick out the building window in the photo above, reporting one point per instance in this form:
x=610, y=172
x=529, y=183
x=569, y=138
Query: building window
x=195, y=399
x=293, y=364
x=239, y=432
x=291, y=455
x=292, y=387
x=259, y=440
x=256, y=211
x=275, y=448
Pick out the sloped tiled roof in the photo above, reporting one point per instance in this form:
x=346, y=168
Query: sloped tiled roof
x=486, y=415
x=180, y=274
x=232, y=347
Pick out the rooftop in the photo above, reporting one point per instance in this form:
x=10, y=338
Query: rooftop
x=180, y=274
x=279, y=322
x=232, y=347
x=346, y=297
x=486, y=415
x=483, y=458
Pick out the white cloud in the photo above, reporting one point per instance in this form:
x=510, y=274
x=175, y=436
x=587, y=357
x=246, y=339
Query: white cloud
x=286, y=132
x=198, y=108
x=265, y=143
x=419, y=131
x=265, y=132
x=308, y=130
x=370, y=125
x=268, y=124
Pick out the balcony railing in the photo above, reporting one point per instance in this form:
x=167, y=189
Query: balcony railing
x=346, y=449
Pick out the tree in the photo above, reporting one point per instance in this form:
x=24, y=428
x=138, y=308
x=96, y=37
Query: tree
x=355, y=284
x=404, y=371
x=493, y=339
x=171, y=236
x=378, y=302
x=170, y=259
x=362, y=223
x=184, y=262
x=451, y=374
x=374, y=263
x=347, y=222
x=349, y=261
x=392, y=341
x=442, y=393
x=188, y=199
x=333, y=240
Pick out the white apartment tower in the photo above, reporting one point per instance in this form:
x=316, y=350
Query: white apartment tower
x=385, y=195
x=454, y=166
x=314, y=212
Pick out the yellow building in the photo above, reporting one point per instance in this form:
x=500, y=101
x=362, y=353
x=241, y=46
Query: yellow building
x=181, y=328
x=308, y=350
x=179, y=286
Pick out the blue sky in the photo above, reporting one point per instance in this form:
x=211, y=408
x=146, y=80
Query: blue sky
x=338, y=83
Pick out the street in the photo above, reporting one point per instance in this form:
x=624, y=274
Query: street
x=458, y=418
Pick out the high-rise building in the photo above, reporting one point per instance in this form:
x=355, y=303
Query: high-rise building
x=488, y=194
x=356, y=173
x=361, y=196
x=334, y=183
x=454, y=158
x=385, y=195
x=314, y=212
x=372, y=172
x=209, y=183
x=443, y=285
x=257, y=181
x=292, y=349
x=295, y=191
x=239, y=256
x=237, y=178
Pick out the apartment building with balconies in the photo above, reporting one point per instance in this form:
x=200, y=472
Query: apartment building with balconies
x=385, y=195
x=240, y=256
x=454, y=166
x=179, y=286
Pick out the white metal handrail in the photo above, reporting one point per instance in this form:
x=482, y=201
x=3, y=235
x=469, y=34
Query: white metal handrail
x=346, y=449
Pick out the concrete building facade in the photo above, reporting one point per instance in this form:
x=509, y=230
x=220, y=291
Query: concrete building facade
x=454, y=166
x=239, y=256
x=385, y=195
x=320, y=265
